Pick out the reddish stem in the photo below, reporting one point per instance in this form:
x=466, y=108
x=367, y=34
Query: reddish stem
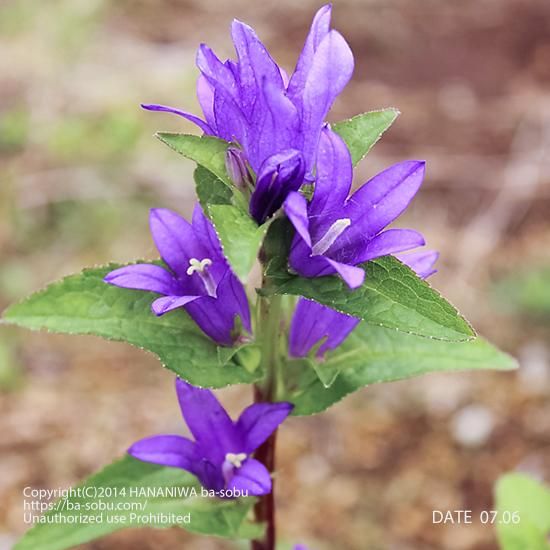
x=264, y=510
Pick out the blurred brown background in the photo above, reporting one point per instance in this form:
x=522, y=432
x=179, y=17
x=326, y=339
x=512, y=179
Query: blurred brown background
x=79, y=170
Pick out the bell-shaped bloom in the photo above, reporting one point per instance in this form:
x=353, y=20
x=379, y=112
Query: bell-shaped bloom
x=335, y=232
x=220, y=455
x=314, y=324
x=275, y=120
x=198, y=277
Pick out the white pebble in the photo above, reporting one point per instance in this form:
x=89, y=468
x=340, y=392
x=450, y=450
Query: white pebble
x=534, y=371
x=472, y=425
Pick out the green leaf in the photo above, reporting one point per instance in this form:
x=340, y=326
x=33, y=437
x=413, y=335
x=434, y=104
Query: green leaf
x=392, y=296
x=523, y=521
x=276, y=247
x=118, y=485
x=362, y=131
x=227, y=209
x=210, y=189
x=85, y=304
x=207, y=151
x=371, y=355
x=240, y=236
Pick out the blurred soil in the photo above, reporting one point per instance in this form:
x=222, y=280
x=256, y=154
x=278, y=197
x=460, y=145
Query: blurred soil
x=80, y=170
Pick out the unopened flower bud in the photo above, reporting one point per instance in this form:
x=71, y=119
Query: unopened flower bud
x=235, y=164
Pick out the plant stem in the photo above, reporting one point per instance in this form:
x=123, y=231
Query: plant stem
x=264, y=510
x=269, y=331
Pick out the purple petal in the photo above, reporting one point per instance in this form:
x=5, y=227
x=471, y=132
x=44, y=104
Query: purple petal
x=232, y=299
x=255, y=64
x=167, y=303
x=390, y=242
x=224, y=113
x=301, y=260
x=258, y=421
x=253, y=477
x=208, y=243
x=143, y=277
x=210, y=475
x=279, y=175
x=216, y=316
x=312, y=322
x=189, y=116
x=334, y=175
x=296, y=209
x=330, y=71
x=208, y=421
x=174, y=239
x=237, y=168
x=205, y=96
x=217, y=73
x=274, y=125
x=319, y=29
x=421, y=262
x=206, y=314
x=383, y=198
x=166, y=450
x=231, y=123
x=205, y=232
x=353, y=276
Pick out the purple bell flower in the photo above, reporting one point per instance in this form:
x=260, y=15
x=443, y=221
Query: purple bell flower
x=220, y=456
x=199, y=277
x=277, y=121
x=313, y=322
x=334, y=233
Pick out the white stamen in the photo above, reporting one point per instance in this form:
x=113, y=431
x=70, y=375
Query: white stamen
x=334, y=231
x=198, y=266
x=236, y=459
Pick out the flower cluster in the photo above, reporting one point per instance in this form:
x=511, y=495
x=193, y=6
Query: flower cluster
x=279, y=142
x=275, y=181
x=275, y=120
